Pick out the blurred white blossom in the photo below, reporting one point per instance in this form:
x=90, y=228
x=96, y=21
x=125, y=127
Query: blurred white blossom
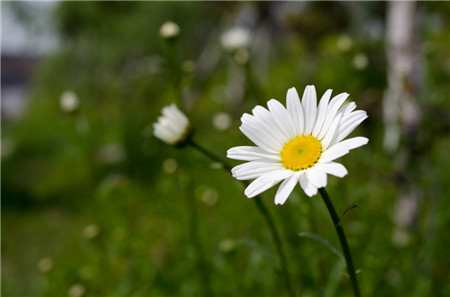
x=69, y=101
x=344, y=43
x=235, y=38
x=222, y=121
x=169, y=30
x=91, y=231
x=360, y=61
x=77, y=290
x=45, y=264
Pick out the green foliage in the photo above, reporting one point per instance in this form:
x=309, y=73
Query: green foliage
x=94, y=192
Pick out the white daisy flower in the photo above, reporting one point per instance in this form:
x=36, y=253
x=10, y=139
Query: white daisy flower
x=296, y=144
x=173, y=126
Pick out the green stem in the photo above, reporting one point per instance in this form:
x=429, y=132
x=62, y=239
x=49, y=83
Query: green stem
x=210, y=155
x=268, y=218
x=342, y=240
x=171, y=53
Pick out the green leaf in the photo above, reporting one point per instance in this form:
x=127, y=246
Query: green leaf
x=350, y=207
x=322, y=241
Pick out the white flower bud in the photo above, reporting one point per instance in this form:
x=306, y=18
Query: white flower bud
x=173, y=126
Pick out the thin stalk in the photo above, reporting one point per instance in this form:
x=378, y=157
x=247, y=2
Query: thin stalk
x=342, y=240
x=210, y=155
x=263, y=210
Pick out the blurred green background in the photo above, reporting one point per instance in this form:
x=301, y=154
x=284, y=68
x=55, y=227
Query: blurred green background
x=94, y=205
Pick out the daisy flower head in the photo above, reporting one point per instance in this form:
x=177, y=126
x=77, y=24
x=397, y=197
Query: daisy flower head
x=296, y=144
x=173, y=126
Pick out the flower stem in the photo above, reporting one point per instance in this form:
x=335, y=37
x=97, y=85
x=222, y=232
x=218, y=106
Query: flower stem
x=210, y=155
x=268, y=218
x=342, y=240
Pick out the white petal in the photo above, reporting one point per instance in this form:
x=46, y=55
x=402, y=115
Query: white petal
x=309, y=103
x=266, y=181
x=282, y=118
x=333, y=168
x=256, y=187
x=330, y=135
x=332, y=110
x=355, y=142
x=250, y=153
x=351, y=117
x=307, y=186
x=347, y=108
x=295, y=109
x=264, y=127
x=347, y=129
x=254, y=169
x=266, y=143
x=321, y=112
x=317, y=177
x=286, y=188
x=278, y=174
x=336, y=151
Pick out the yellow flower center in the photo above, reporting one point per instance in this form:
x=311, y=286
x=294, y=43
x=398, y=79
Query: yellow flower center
x=301, y=152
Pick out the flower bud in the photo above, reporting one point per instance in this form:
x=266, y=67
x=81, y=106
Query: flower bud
x=173, y=126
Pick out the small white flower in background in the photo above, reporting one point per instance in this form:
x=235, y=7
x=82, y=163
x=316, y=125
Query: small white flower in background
x=69, y=101
x=235, y=38
x=45, y=265
x=77, y=290
x=169, y=30
x=296, y=144
x=173, y=126
x=344, y=43
x=91, y=231
x=360, y=61
x=222, y=121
